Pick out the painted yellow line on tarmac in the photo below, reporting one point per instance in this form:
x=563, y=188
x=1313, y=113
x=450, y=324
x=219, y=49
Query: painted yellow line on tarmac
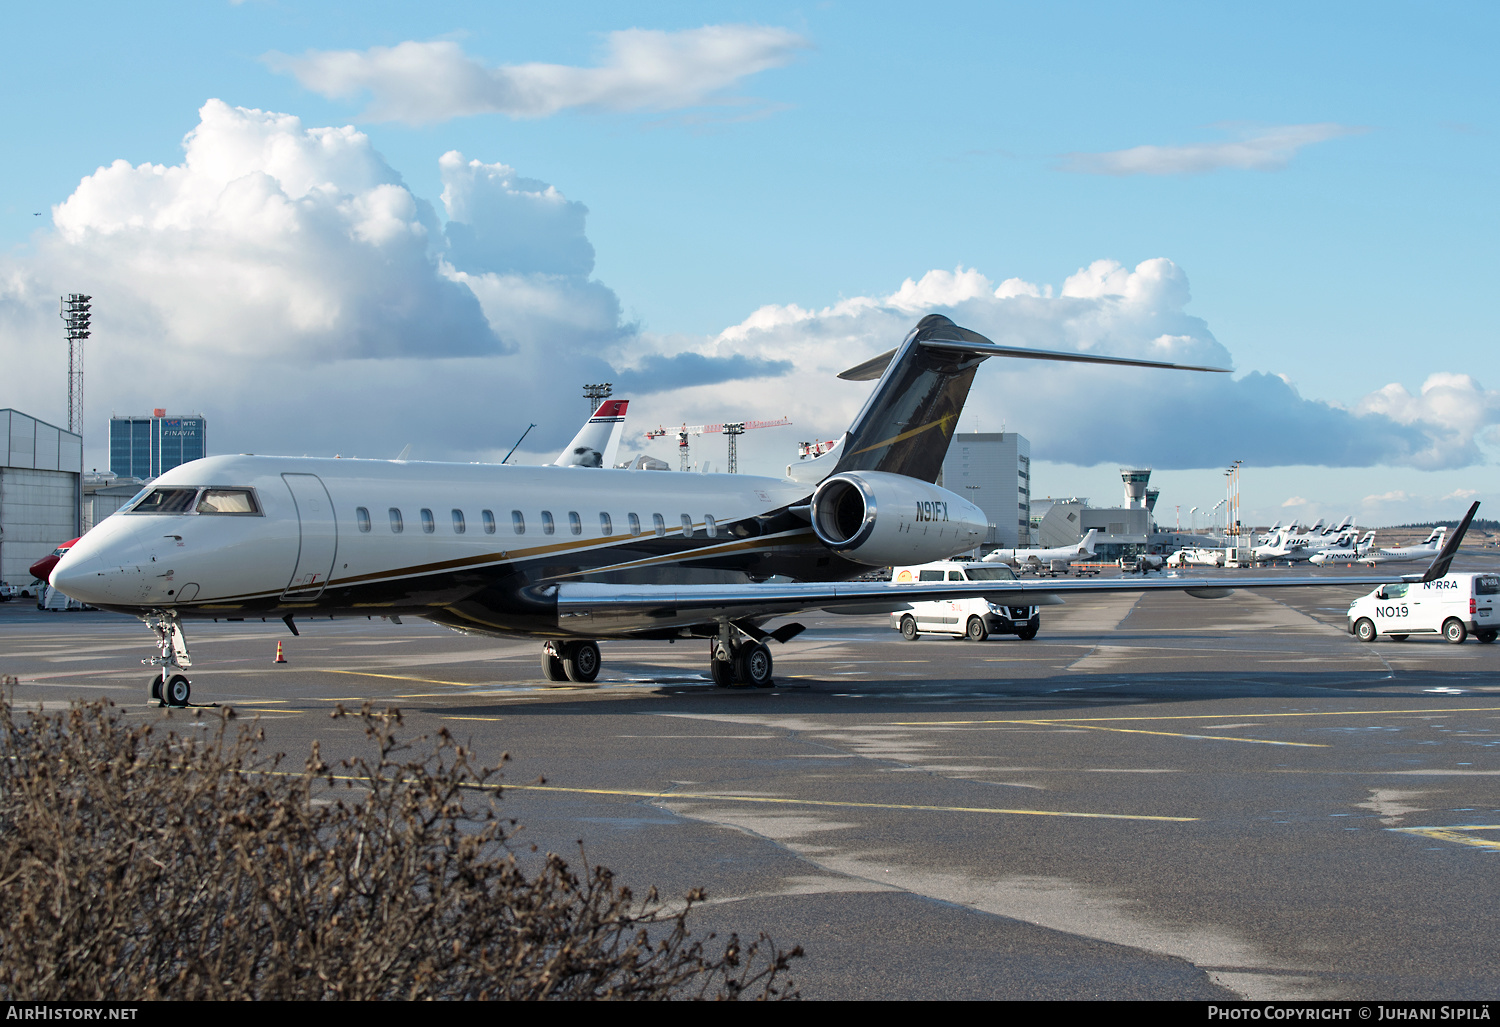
x=1204, y=716
x=776, y=800
x=472, y=718
x=402, y=677
x=1455, y=834
x=1170, y=734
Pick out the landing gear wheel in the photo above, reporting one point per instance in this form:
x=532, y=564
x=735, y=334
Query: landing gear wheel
x=909, y=628
x=581, y=661
x=1027, y=633
x=552, y=667
x=156, y=688
x=753, y=664
x=1488, y=635
x=976, y=631
x=178, y=690
x=1398, y=638
x=1454, y=630
x=1364, y=629
x=722, y=671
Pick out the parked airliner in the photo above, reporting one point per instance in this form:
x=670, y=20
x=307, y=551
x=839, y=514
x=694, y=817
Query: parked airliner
x=1366, y=553
x=571, y=557
x=1037, y=557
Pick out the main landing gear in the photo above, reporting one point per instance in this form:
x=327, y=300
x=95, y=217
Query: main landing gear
x=169, y=686
x=571, y=661
x=739, y=661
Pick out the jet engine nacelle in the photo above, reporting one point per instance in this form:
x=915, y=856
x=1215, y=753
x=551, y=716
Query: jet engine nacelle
x=884, y=519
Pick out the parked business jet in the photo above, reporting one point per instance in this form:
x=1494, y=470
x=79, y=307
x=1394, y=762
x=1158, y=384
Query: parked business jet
x=1037, y=557
x=570, y=558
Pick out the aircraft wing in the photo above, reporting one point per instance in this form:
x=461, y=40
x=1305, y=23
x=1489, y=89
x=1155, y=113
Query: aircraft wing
x=584, y=606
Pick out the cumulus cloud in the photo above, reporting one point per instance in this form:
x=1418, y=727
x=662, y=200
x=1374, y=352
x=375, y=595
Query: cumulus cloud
x=1267, y=149
x=285, y=281
x=641, y=69
x=1087, y=415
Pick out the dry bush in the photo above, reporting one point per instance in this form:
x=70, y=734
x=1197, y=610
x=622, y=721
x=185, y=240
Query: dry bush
x=136, y=865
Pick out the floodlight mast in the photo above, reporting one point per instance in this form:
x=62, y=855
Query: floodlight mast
x=75, y=313
x=596, y=394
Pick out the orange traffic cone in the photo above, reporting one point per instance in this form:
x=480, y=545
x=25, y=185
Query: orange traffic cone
x=279, y=657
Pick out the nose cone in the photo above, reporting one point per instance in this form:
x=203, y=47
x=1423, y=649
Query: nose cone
x=75, y=576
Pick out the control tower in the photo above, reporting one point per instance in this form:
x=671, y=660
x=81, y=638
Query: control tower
x=1136, y=480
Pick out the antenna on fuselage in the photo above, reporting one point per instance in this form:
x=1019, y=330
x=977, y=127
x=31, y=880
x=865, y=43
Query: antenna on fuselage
x=519, y=441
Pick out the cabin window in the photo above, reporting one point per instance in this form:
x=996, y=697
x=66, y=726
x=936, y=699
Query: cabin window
x=458, y=522
x=709, y=527
x=659, y=524
x=606, y=526
x=575, y=523
x=931, y=576
x=548, y=525
x=396, y=526
x=428, y=524
x=518, y=522
x=227, y=501
x=362, y=518
x=687, y=526
x=635, y=524
x=488, y=517
x=955, y=575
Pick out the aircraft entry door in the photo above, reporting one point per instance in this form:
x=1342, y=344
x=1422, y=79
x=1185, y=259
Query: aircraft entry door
x=319, y=537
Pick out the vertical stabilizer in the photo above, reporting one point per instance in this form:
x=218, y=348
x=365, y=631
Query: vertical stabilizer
x=597, y=441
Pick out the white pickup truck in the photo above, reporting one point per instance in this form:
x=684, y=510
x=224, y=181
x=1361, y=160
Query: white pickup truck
x=971, y=617
x=1454, y=606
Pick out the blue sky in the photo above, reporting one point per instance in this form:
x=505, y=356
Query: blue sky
x=1322, y=180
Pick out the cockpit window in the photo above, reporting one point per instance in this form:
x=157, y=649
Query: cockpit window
x=998, y=573
x=228, y=501
x=166, y=501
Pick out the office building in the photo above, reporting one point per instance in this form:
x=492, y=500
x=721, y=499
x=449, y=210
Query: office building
x=992, y=470
x=147, y=447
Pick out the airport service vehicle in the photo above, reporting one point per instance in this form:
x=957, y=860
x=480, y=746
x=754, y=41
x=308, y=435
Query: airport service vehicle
x=570, y=557
x=971, y=617
x=1198, y=557
x=1454, y=606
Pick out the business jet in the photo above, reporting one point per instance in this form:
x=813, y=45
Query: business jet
x=1037, y=557
x=570, y=557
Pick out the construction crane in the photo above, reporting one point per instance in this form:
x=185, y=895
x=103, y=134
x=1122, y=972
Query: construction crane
x=731, y=429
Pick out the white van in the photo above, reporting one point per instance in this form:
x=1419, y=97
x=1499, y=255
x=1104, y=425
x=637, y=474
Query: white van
x=970, y=617
x=1454, y=606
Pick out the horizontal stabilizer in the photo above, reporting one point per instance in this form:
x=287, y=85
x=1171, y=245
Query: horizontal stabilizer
x=977, y=345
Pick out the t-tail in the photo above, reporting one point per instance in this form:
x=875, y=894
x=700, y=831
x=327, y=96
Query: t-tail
x=909, y=419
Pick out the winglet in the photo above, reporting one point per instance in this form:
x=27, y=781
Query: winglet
x=1439, y=566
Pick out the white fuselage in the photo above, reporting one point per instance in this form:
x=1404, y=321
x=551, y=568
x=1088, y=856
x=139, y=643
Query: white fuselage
x=368, y=536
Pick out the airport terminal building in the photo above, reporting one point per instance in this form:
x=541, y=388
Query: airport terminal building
x=41, y=482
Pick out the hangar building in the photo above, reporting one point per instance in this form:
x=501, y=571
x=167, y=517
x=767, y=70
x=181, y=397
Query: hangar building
x=41, y=491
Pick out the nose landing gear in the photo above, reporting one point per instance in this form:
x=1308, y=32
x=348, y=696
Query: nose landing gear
x=168, y=686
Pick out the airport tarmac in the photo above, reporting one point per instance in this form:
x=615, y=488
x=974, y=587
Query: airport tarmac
x=1158, y=797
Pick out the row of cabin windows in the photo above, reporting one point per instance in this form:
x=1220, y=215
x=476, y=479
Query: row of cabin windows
x=549, y=524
